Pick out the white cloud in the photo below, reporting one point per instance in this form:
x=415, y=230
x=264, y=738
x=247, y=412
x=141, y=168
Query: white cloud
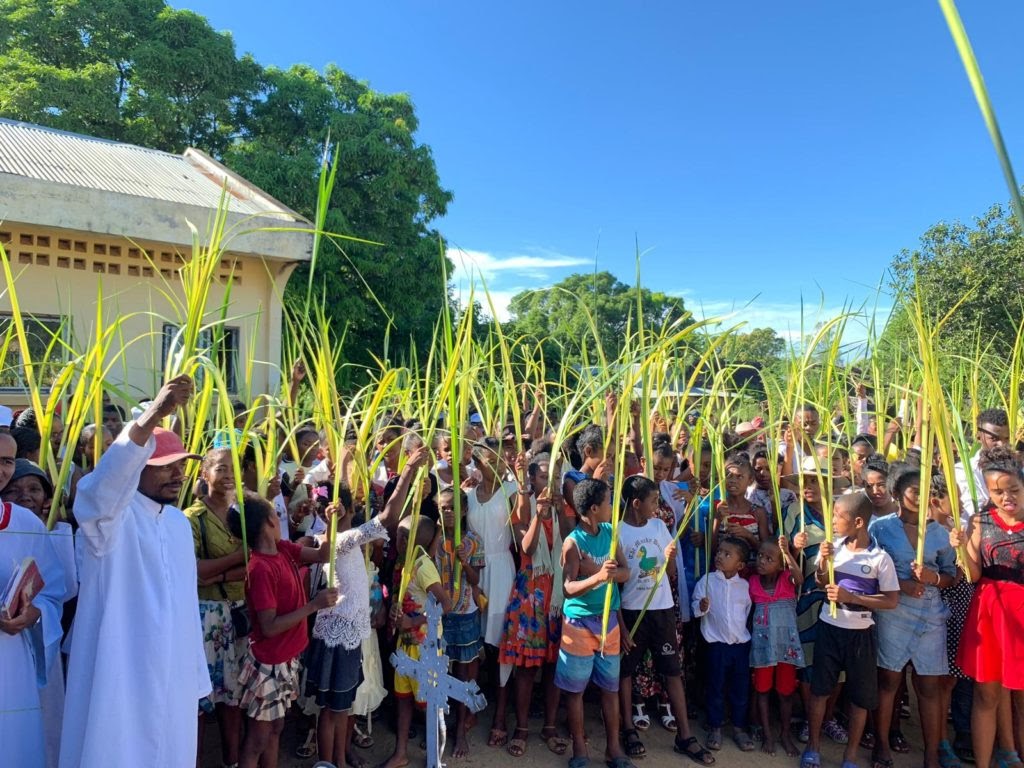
x=785, y=318
x=505, y=275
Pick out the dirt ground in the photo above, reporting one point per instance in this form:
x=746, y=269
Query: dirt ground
x=657, y=740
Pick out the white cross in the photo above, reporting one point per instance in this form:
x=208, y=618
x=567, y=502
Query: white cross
x=436, y=686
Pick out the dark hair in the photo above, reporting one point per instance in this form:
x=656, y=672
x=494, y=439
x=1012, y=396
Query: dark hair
x=901, y=475
x=305, y=431
x=27, y=440
x=740, y=460
x=658, y=438
x=739, y=543
x=867, y=440
x=534, y=466
x=994, y=416
x=664, y=451
x=587, y=494
x=112, y=408
x=939, y=487
x=450, y=491
x=857, y=503
x=999, y=461
x=636, y=488
x=256, y=511
x=875, y=463
x=808, y=408
x=591, y=437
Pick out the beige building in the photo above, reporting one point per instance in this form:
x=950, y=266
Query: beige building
x=78, y=214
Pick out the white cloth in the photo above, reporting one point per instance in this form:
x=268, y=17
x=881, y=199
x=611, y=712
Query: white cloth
x=137, y=668
x=728, y=608
x=52, y=695
x=347, y=623
x=644, y=549
x=967, y=503
x=27, y=658
x=490, y=521
x=678, y=507
x=281, y=510
x=864, y=571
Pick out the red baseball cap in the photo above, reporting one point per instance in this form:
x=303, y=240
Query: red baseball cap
x=169, y=449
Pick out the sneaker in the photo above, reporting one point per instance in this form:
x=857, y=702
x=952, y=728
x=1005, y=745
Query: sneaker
x=836, y=732
x=804, y=734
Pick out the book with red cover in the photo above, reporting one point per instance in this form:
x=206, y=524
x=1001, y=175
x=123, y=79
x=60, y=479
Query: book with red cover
x=25, y=583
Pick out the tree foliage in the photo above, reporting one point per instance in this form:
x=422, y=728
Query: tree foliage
x=143, y=72
x=980, y=266
x=562, y=317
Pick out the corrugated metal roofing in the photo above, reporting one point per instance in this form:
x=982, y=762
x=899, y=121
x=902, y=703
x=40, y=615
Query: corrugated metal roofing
x=46, y=154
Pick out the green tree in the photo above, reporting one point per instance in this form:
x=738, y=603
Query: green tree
x=983, y=263
x=558, y=316
x=387, y=191
x=761, y=346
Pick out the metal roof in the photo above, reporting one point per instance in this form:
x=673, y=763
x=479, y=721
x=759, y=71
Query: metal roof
x=192, y=178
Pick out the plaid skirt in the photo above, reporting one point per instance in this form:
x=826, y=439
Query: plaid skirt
x=268, y=689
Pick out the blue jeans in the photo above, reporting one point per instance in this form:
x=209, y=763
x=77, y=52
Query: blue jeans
x=728, y=677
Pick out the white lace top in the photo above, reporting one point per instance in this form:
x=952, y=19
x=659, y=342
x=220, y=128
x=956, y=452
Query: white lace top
x=348, y=623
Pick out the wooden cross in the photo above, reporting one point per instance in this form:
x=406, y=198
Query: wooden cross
x=436, y=686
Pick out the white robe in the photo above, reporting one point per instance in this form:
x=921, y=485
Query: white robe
x=52, y=695
x=26, y=657
x=490, y=521
x=137, y=666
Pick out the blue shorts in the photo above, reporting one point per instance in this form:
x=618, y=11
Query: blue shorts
x=580, y=657
x=914, y=631
x=462, y=636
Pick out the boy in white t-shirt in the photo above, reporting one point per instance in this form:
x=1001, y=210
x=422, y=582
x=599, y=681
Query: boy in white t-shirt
x=647, y=545
x=865, y=581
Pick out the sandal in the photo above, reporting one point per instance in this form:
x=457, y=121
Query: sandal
x=361, y=738
x=619, y=762
x=898, y=743
x=555, y=743
x=879, y=762
x=497, y=738
x=1007, y=758
x=742, y=740
x=947, y=757
x=668, y=720
x=713, y=740
x=698, y=755
x=641, y=720
x=517, y=745
x=810, y=759
x=867, y=741
x=307, y=749
x=631, y=741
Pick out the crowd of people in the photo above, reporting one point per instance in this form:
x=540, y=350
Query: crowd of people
x=701, y=587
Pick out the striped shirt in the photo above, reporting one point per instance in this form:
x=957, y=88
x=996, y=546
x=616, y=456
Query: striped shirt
x=863, y=572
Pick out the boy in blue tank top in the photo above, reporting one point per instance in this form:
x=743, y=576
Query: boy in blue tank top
x=589, y=571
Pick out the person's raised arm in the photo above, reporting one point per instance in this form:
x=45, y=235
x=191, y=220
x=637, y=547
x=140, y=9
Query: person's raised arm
x=392, y=511
x=104, y=495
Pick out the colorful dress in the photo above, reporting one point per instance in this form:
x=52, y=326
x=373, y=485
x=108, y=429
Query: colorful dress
x=775, y=638
x=992, y=642
x=533, y=621
x=958, y=600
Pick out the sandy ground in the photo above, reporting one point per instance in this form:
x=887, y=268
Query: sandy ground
x=657, y=740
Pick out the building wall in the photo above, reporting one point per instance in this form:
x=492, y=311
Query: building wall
x=60, y=272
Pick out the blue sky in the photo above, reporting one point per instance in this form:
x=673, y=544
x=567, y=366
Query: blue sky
x=750, y=149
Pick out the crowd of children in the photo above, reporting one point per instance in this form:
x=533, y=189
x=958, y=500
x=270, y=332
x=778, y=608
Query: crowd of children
x=778, y=592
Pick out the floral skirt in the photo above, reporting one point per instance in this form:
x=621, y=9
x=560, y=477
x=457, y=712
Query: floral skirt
x=527, y=639
x=268, y=689
x=223, y=650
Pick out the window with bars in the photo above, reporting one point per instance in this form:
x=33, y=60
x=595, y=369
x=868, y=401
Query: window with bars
x=45, y=334
x=227, y=343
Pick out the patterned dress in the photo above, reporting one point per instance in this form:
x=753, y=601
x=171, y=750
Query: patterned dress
x=530, y=635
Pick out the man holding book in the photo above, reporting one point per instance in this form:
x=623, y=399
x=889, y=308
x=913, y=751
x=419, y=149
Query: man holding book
x=30, y=604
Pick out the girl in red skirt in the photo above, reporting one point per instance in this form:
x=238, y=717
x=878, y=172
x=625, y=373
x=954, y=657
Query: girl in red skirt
x=992, y=643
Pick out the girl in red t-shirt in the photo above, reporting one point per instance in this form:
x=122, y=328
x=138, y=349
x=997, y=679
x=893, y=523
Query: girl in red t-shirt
x=277, y=604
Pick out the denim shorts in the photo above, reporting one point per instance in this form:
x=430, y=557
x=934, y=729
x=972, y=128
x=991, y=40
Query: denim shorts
x=914, y=631
x=462, y=636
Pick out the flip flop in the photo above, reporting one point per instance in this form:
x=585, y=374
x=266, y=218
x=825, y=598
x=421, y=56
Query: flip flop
x=555, y=743
x=810, y=759
x=619, y=762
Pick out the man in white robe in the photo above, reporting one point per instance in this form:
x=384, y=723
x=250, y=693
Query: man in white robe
x=29, y=641
x=137, y=667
